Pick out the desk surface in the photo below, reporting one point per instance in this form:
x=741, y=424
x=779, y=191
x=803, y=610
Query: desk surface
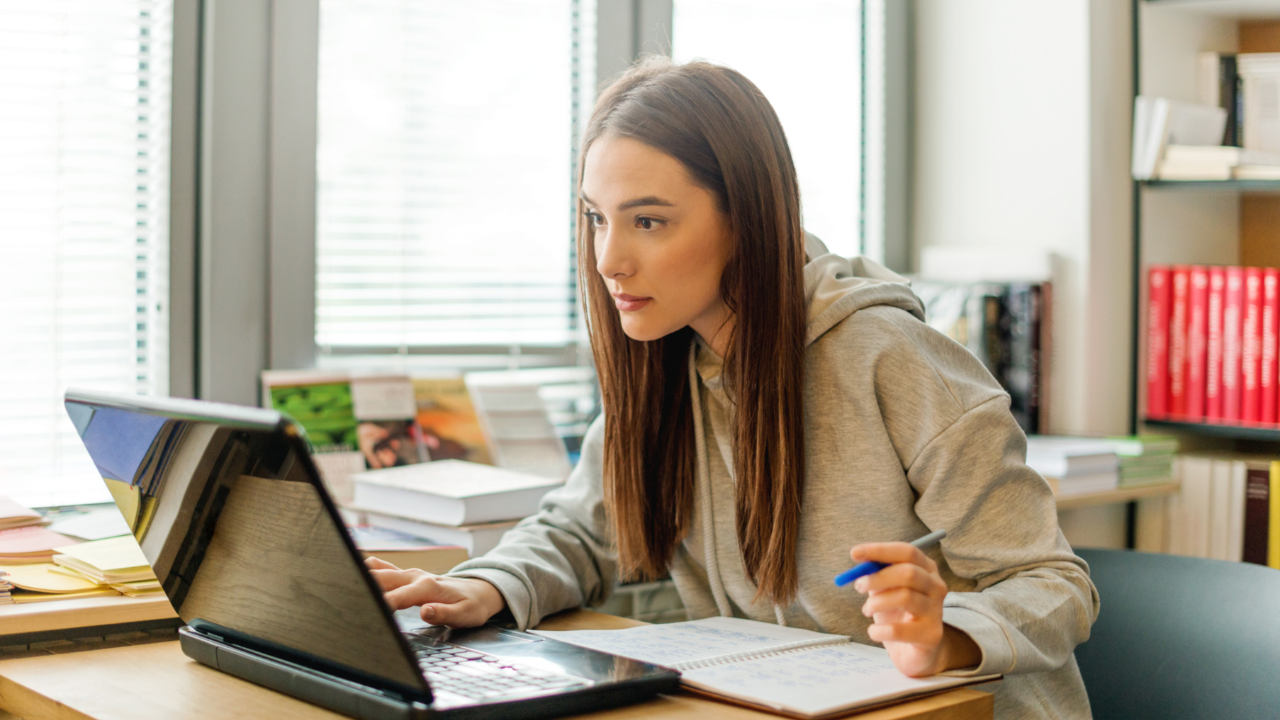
x=154, y=681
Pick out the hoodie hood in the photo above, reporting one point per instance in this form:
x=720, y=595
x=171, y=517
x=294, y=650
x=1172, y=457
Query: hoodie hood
x=836, y=287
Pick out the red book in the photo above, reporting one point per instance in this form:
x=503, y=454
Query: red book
x=1158, y=341
x=1197, y=342
x=1232, y=336
x=1213, y=363
x=1251, y=348
x=1270, y=340
x=1178, y=341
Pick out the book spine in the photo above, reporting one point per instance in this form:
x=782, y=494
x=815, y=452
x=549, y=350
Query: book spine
x=1213, y=361
x=1178, y=341
x=1257, y=514
x=1197, y=342
x=1251, y=348
x=1270, y=344
x=1273, y=535
x=1232, y=337
x=1158, y=341
x=1229, y=87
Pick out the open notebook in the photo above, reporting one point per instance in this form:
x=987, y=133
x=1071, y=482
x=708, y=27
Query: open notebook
x=786, y=670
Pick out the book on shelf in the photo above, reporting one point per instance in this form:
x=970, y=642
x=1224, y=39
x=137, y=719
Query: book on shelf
x=1269, y=354
x=1008, y=327
x=1160, y=122
x=451, y=492
x=1213, y=349
x=1259, y=90
x=1212, y=352
x=789, y=671
x=1073, y=465
x=1225, y=509
x=1218, y=83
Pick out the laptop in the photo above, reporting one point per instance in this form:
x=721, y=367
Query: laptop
x=228, y=507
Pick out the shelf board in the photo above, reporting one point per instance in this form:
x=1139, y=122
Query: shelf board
x=1242, y=9
x=1253, y=186
x=1265, y=433
x=81, y=613
x=1119, y=495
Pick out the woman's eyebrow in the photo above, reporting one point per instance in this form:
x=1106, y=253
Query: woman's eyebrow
x=638, y=202
x=642, y=202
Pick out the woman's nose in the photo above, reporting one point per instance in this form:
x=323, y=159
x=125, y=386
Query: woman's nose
x=611, y=260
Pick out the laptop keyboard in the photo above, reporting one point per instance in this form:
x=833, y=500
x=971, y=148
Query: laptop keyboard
x=467, y=675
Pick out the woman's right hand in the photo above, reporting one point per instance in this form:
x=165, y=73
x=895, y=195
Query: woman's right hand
x=456, y=602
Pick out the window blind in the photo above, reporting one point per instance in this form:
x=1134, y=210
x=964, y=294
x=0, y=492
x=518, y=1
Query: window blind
x=806, y=57
x=445, y=172
x=84, y=113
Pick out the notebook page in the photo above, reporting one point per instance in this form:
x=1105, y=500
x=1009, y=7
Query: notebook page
x=816, y=681
x=684, y=642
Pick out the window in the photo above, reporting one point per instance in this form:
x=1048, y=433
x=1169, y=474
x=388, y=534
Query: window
x=805, y=56
x=84, y=133
x=445, y=164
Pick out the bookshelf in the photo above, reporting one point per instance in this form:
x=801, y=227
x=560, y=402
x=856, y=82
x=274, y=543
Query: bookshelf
x=1228, y=222
x=1119, y=495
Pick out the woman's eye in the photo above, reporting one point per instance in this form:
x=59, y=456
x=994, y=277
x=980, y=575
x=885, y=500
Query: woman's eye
x=596, y=219
x=647, y=223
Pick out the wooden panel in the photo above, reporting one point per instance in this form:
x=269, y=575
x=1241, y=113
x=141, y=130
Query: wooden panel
x=156, y=681
x=1260, y=230
x=1260, y=36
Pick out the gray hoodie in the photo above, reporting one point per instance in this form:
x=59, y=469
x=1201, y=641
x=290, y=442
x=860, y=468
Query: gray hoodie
x=905, y=432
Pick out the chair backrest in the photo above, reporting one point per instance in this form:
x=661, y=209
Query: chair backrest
x=1182, y=638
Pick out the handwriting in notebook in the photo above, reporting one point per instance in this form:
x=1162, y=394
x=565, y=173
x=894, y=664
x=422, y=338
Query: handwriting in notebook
x=677, y=643
x=809, y=679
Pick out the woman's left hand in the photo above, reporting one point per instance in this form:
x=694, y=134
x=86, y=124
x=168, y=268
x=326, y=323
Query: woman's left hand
x=905, y=605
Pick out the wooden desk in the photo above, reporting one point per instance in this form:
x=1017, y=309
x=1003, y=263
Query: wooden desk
x=154, y=681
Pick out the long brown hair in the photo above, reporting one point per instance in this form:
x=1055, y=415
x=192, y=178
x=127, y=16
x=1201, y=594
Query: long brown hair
x=726, y=134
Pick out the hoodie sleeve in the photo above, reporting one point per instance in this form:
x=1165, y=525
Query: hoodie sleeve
x=561, y=557
x=1026, y=598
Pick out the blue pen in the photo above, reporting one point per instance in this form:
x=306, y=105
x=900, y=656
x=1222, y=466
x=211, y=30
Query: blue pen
x=868, y=567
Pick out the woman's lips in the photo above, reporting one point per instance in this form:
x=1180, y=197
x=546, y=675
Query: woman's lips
x=630, y=303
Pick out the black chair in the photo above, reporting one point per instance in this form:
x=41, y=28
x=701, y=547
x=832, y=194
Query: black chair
x=1182, y=638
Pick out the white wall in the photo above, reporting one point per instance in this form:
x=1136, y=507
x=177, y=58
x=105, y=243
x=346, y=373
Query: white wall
x=1022, y=141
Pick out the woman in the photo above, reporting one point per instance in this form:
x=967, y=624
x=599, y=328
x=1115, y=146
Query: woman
x=767, y=405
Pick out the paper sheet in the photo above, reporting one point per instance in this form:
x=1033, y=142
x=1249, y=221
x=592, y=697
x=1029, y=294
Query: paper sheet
x=676, y=643
x=815, y=681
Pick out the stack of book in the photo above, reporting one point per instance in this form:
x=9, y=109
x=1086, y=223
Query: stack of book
x=1228, y=508
x=5, y=587
x=1074, y=466
x=405, y=550
x=1144, y=459
x=452, y=502
x=359, y=422
x=1212, y=337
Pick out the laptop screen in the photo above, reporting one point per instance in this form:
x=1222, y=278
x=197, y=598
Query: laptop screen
x=229, y=512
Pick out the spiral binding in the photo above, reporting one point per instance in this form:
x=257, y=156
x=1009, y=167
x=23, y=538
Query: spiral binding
x=757, y=654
